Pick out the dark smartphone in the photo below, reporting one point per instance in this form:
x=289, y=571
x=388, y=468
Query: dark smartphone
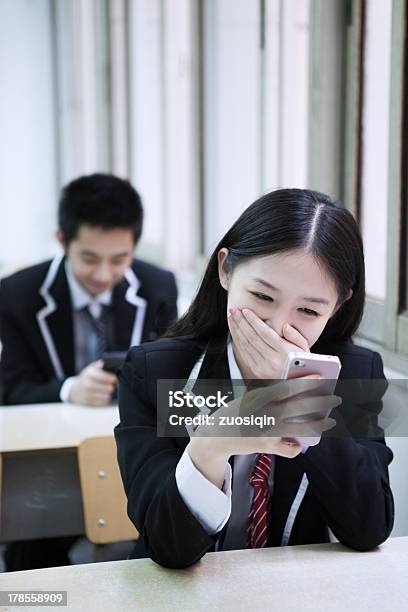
x=113, y=361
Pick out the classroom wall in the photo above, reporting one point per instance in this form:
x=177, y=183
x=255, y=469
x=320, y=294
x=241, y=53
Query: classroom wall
x=28, y=175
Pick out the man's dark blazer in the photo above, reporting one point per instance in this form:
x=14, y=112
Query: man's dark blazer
x=348, y=488
x=36, y=326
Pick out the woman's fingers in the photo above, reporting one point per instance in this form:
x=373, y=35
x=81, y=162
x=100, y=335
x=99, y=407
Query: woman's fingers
x=246, y=352
x=304, y=409
x=262, y=360
x=281, y=391
x=312, y=428
x=251, y=344
x=291, y=335
x=292, y=339
x=295, y=337
x=253, y=325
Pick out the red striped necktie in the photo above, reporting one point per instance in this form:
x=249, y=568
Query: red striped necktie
x=258, y=517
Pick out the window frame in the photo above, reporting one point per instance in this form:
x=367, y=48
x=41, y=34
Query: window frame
x=385, y=324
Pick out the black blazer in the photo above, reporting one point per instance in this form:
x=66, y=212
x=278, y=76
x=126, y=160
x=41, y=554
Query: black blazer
x=348, y=488
x=36, y=327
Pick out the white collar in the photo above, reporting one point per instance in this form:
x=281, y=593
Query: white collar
x=235, y=372
x=81, y=298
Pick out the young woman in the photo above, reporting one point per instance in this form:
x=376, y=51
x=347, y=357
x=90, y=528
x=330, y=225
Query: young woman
x=288, y=276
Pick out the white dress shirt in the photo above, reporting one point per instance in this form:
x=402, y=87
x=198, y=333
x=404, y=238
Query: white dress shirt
x=80, y=299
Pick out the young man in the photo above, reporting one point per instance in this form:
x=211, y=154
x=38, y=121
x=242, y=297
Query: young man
x=59, y=317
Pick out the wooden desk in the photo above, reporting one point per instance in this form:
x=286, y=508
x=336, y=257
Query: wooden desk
x=51, y=426
x=325, y=577
x=40, y=489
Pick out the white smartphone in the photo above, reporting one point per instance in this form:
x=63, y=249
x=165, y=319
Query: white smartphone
x=303, y=364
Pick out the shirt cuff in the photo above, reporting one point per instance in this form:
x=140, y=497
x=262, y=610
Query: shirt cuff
x=66, y=388
x=210, y=505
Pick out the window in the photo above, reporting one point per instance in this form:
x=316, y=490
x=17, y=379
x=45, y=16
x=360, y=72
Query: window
x=376, y=183
x=28, y=134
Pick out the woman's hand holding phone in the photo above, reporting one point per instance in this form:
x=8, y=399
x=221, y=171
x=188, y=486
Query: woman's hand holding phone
x=288, y=401
x=297, y=407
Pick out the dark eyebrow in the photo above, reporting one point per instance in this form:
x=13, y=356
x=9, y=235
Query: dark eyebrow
x=265, y=283
x=116, y=255
x=92, y=254
x=314, y=300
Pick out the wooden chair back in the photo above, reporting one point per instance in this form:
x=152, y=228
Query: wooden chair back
x=103, y=497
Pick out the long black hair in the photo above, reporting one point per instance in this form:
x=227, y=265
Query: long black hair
x=286, y=220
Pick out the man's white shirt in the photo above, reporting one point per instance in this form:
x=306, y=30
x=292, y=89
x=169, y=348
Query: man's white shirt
x=80, y=299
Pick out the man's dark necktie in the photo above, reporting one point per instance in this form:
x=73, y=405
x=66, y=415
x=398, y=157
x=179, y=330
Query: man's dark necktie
x=100, y=325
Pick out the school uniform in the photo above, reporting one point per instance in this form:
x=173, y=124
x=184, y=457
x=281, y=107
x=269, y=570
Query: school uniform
x=48, y=337
x=46, y=334
x=341, y=484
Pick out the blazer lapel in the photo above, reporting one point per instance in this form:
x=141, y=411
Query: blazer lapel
x=55, y=320
x=123, y=316
x=288, y=476
x=129, y=311
x=150, y=329
x=214, y=368
x=215, y=364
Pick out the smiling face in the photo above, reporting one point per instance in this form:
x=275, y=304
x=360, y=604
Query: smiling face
x=283, y=288
x=99, y=258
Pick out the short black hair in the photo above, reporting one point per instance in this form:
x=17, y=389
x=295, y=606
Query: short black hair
x=99, y=200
